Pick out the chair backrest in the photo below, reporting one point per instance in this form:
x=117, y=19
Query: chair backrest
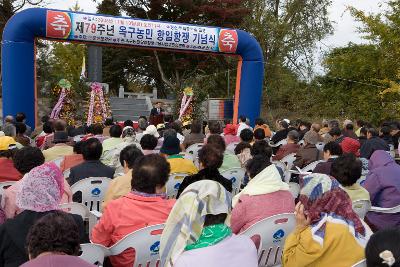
x=288, y=160
x=386, y=210
x=66, y=173
x=3, y=187
x=187, y=156
x=146, y=243
x=235, y=175
x=280, y=143
x=58, y=161
x=294, y=189
x=362, y=263
x=94, y=253
x=174, y=182
x=76, y=208
x=273, y=232
x=93, y=190
x=391, y=151
x=310, y=167
x=231, y=147
x=361, y=207
x=320, y=146
x=194, y=149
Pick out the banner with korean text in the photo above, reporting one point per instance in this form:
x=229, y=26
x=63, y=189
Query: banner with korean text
x=136, y=32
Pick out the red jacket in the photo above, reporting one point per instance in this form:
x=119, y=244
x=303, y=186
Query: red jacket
x=8, y=171
x=286, y=150
x=126, y=215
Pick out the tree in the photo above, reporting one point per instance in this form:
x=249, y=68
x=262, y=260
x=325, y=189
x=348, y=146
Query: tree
x=288, y=31
x=382, y=31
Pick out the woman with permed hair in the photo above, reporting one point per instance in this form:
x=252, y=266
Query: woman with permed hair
x=54, y=241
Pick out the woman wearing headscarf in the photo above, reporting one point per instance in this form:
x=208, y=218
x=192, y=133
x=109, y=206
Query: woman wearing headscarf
x=328, y=232
x=383, y=185
x=40, y=193
x=197, y=232
x=25, y=160
x=264, y=196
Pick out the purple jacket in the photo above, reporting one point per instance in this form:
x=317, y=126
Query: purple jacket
x=383, y=185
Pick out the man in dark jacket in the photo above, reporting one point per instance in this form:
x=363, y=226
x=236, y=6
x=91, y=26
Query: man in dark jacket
x=281, y=133
x=92, y=166
x=372, y=144
x=332, y=150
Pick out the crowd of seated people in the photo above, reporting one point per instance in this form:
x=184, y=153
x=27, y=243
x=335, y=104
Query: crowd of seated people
x=204, y=226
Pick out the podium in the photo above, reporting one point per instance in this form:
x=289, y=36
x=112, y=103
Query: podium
x=156, y=119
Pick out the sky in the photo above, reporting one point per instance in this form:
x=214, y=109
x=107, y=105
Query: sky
x=345, y=27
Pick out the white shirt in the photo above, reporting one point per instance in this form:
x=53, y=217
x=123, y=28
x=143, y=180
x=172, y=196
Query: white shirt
x=242, y=126
x=234, y=251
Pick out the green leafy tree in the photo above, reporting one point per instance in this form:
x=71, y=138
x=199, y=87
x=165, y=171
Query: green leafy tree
x=288, y=32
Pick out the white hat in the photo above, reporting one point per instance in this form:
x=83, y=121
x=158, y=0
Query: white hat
x=287, y=121
x=152, y=130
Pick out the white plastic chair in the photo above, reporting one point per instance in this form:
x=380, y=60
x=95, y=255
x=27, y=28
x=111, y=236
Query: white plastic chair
x=361, y=207
x=83, y=211
x=294, y=189
x=174, y=182
x=362, y=263
x=320, y=146
x=391, y=151
x=386, y=210
x=66, y=173
x=280, y=143
x=231, y=147
x=3, y=187
x=310, y=167
x=93, y=190
x=288, y=160
x=194, y=149
x=273, y=232
x=145, y=242
x=187, y=156
x=282, y=166
x=94, y=253
x=235, y=175
x=58, y=161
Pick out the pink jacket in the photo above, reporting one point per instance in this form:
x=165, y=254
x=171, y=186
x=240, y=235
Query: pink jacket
x=126, y=215
x=10, y=207
x=252, y=209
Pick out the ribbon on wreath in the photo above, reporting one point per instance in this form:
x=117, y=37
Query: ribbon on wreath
x=65, y=87
x=97, y=89
x=187, y=92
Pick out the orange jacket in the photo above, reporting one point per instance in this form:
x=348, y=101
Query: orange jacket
x=126, y=215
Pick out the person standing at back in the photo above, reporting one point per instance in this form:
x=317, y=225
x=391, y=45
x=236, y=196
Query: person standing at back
x=92, y=166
